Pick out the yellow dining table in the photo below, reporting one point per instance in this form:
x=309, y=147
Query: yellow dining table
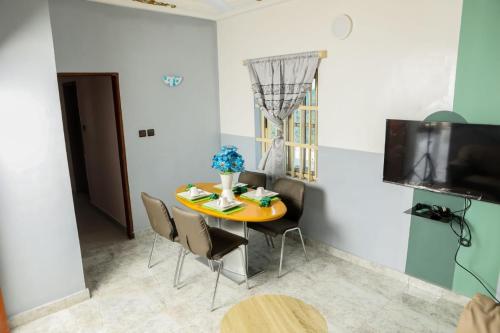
x=250, y=212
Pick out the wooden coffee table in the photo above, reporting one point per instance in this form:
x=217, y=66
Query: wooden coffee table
x=273, y=313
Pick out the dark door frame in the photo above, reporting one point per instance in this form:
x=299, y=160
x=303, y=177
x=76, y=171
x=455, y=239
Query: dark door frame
x=121, y=141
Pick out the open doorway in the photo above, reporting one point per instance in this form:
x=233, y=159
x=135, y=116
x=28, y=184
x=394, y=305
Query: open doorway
x=90, y=104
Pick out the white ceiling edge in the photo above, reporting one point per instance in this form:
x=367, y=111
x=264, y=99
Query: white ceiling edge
x=208, y=15
x=159, y=9
x=249, y=8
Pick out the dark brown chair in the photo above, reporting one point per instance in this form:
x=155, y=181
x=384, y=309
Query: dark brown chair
x=291, y=193
x=160, y=220
x=253, y=179
x=211, y=243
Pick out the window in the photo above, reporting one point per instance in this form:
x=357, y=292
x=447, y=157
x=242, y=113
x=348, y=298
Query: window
x=301, y=137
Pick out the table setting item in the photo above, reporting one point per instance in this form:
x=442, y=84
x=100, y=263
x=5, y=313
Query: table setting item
x=259, y=194
x=195, y=194
x=224, y=205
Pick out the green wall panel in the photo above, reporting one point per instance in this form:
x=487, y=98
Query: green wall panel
x=477, y=98
x=431, y=245
x=477, y=90
x=483, y=257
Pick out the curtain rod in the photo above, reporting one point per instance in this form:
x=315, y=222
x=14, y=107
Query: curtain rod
x=322, y=55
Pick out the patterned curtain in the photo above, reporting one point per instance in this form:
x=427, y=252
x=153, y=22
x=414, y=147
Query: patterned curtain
x=279, y=85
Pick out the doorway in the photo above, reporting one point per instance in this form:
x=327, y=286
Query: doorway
x=75, y=137
x=95, y=145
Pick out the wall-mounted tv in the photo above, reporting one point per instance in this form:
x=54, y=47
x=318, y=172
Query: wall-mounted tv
x=458, y=159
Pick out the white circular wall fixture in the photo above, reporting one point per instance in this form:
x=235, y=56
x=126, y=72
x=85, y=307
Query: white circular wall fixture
x=342, y=26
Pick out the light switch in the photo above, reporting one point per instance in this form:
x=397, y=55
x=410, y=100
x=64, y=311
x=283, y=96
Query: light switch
x=151, y=132
x=142, y=133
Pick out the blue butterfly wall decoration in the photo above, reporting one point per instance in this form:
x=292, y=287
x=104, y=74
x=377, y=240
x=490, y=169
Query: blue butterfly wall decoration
x=172, y=80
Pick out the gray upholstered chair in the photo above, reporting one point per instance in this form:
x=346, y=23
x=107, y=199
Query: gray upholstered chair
x=160, y=220
x=208, y=242
x=291, y=193
x=253, y=179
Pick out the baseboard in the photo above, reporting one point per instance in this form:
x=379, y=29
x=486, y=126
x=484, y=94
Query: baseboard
x=415, y=286
x=48, y=308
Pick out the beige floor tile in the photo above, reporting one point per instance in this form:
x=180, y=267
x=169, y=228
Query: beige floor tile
x=129, y=297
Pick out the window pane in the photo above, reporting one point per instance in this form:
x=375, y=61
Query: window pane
x=313, y=127
x=296, y=132
x=296, y=116
x=306, y=160
x=307, y=128
x=314, y=92
x=296, y=162
x=313, y=162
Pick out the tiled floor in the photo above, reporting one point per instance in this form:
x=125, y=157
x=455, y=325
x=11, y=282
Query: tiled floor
x=129, y=297
x=94, y=228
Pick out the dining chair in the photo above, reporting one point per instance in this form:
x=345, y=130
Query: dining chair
x=160, y=220
x=292, y=194
x=211, y=243
x=253, y=179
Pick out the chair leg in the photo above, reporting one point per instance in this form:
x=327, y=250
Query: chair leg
x=152, y=248
x=216, y=283
x=267, y=240
x=246, y=233
x=181, y=250
x=244, y=266
x=282, y=251
x=272, y=242
x=283, y=247
x=211, y=265
x=303, y=246
x=180, y=268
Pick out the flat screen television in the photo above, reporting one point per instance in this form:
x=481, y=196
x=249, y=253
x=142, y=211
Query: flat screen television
x=457, y=159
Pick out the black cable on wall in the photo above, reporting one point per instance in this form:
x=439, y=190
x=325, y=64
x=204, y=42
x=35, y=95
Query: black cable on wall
x=464, y=236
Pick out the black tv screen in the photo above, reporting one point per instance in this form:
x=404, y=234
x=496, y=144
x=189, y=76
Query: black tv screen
x=459, y=159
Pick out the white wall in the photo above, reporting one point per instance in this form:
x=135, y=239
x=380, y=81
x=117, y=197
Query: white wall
x=142, y=46
x=399, y=62
x=40, y=257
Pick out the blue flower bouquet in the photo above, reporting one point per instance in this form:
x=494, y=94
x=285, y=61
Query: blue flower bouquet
x=227, y=162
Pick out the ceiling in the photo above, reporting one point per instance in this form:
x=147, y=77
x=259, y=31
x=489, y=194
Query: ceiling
x=207, y=9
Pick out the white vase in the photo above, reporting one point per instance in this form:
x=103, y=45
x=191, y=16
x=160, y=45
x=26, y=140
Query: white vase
x=227, y=186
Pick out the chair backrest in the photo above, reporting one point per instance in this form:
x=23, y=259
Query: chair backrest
x=159, y=218
x=253, y=179
x=292, y=193
x=193, y=232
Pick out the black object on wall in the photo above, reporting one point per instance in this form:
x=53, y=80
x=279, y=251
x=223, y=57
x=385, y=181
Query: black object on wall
x=457, y=159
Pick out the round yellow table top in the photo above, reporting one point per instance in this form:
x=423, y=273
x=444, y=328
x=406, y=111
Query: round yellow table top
x=252, y=212
x=273, y=313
